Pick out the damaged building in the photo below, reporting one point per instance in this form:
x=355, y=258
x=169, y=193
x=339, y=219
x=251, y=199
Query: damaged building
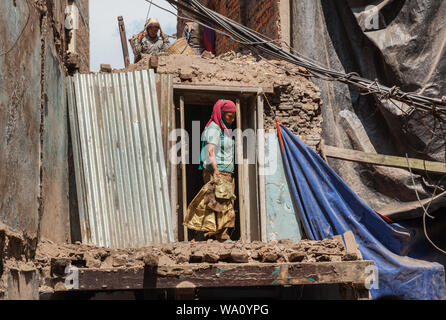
x=93, y=200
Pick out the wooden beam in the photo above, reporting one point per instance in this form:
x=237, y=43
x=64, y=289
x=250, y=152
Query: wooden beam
x=261, y=167
x=383, y=160
x=248, y=191
x=125, y=48
x=183, y=165
x=241, y=182
x=173, y=176
x=220, y=89
x=351, y=245
x=225, y=275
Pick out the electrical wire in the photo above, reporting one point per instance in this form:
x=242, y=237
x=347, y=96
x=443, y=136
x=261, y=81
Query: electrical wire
x=425, y=213
x=257, y=43
x=148, y=11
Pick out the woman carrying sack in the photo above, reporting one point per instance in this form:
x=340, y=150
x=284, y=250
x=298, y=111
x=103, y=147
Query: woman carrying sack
x=212, y=210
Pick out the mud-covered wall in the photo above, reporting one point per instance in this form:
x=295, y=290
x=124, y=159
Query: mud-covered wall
x=33, y=115
x=57, y=21
x=20, y=117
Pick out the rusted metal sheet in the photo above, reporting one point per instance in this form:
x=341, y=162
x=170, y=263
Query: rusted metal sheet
x=55, y=222
x=119, y=161
x=226, y=275
x=20, y=112
x=164, y=88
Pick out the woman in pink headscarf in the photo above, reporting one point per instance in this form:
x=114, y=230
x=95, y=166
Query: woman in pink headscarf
x=217, y=163
x=218, y=152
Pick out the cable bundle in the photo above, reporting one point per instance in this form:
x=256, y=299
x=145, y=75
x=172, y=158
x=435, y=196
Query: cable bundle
x=261, y=45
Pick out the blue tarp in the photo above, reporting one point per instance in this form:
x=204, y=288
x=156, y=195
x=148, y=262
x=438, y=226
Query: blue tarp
x=329, y=207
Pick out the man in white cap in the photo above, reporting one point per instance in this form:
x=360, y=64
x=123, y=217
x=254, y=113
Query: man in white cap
x=149, y=42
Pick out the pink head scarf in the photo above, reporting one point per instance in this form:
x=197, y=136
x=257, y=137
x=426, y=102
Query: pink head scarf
x=219, y=107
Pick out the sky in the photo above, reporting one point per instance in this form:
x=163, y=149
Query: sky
x=105, y=41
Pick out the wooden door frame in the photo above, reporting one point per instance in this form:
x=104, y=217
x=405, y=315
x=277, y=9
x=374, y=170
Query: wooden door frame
x=194, y=94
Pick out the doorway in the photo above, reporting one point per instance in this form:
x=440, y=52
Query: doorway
x=195, y=119
x=195, y=103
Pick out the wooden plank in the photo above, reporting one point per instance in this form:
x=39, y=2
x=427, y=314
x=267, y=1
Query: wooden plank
x=183, y=165
x=173, y=170
x=338, y=238
x=261, y=167
x=350, y=244
x=225, y=275
x=323, y=155
x=166, y=107
x=125, y=48
x=241, y=186
x=254, y=217
x=247, y=187
x=383, y=160
x=233, y=89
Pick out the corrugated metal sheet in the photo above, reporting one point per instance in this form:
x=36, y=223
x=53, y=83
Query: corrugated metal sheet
x=119, y=160
x=164, y=88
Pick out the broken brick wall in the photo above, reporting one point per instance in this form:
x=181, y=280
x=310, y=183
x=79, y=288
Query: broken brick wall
x=291, y=97
x=262, y=16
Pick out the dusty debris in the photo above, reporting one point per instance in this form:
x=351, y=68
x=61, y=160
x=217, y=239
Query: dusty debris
x=87, y=256
x=51, y=260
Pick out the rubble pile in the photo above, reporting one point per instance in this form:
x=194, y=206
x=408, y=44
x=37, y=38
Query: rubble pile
x=282, y=251
x=295, y=102
x=49, y=260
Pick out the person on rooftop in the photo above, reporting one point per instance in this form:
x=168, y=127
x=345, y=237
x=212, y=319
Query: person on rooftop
x=149, y=41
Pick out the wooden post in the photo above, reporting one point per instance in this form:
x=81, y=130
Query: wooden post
x=183, y=165
x=351, y=245
x=241, y=187
x=261, y=167
x=247, y=191
x=125, y=48
x=173, y=172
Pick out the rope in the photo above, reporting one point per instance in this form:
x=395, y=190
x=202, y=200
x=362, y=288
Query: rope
x=148, y=12
x=187, y=42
